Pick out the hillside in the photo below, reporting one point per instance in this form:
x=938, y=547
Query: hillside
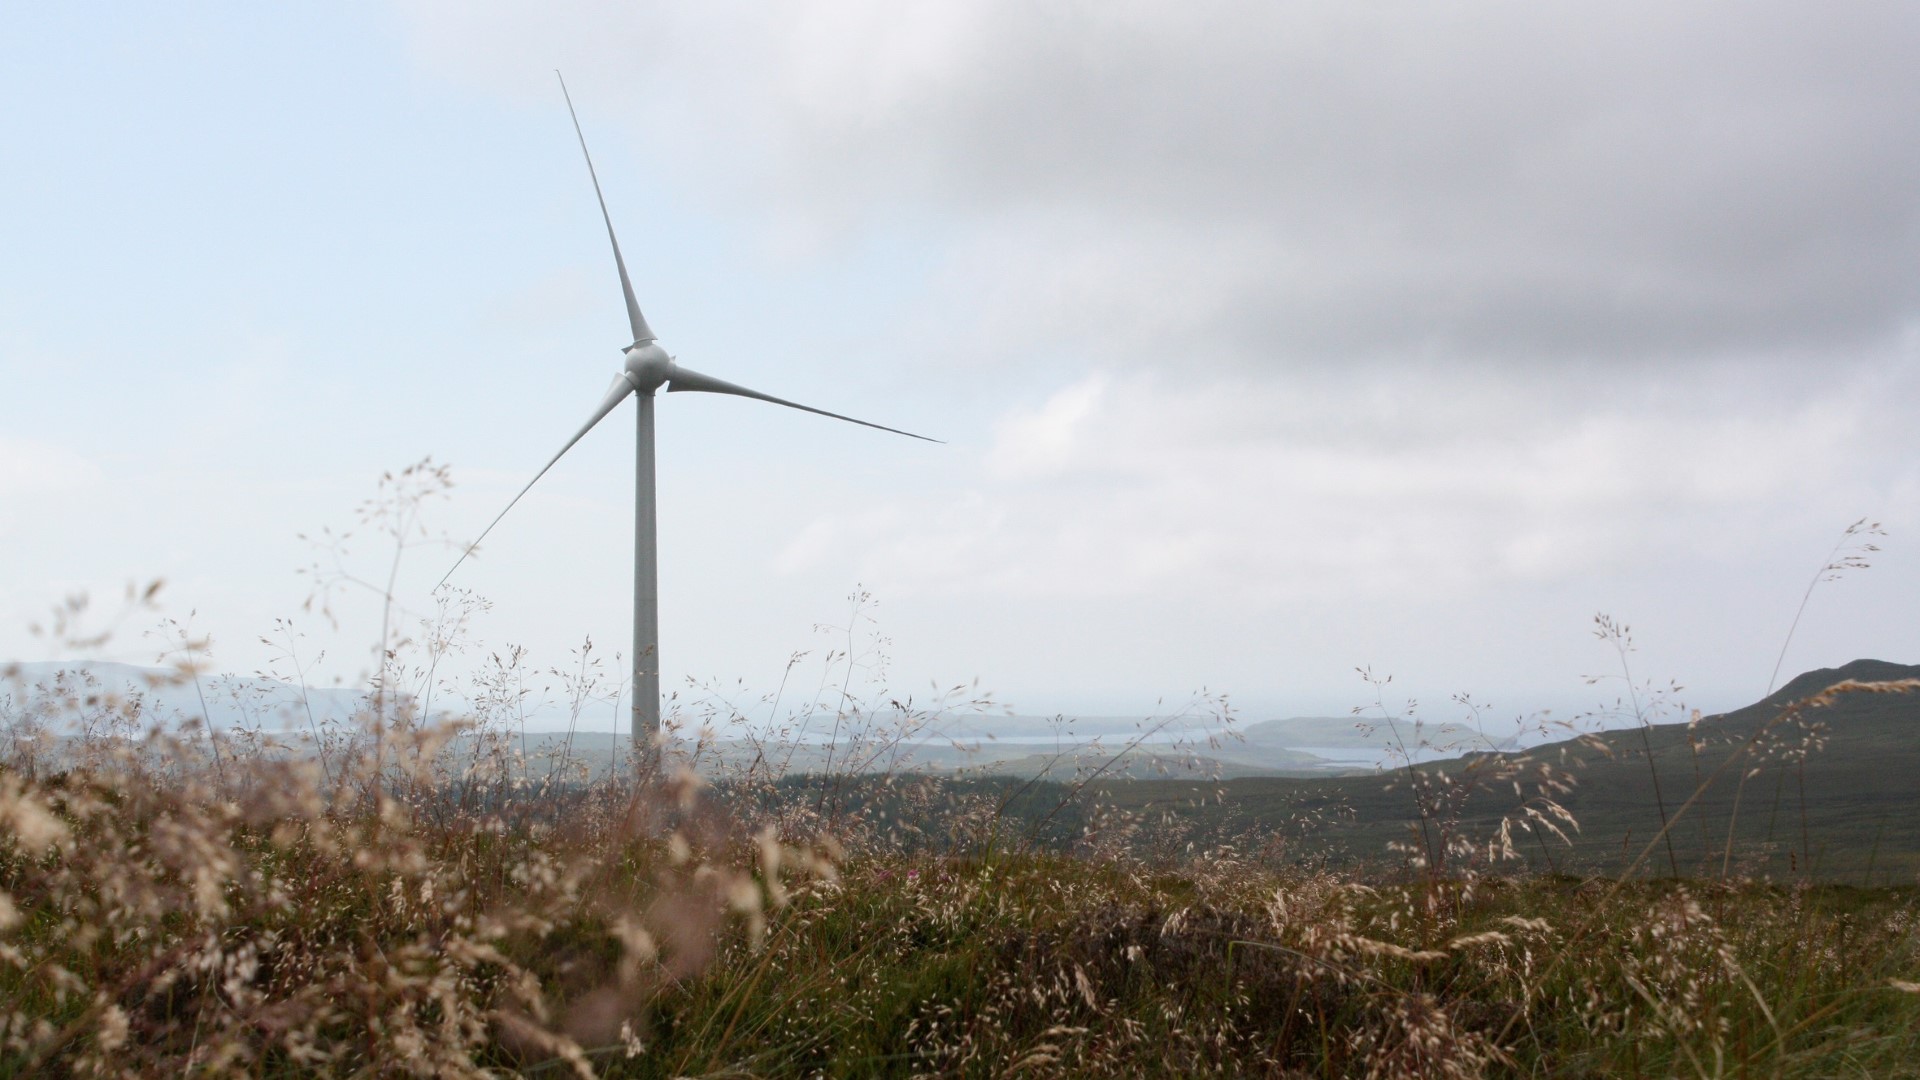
x=1851, y=811
x=65, y=695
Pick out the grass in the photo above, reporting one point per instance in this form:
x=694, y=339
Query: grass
x=165, y=914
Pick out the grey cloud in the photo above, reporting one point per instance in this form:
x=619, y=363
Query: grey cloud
x=1488, y=179
x=1505, y=179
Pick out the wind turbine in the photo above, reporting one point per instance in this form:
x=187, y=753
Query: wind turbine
x=648, y=369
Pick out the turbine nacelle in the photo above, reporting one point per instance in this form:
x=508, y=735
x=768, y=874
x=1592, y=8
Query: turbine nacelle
x=648, y=367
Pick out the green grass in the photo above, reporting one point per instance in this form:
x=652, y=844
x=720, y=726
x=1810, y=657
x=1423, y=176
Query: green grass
x=974, y=970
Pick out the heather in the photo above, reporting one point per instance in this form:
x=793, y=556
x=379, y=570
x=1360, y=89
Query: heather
x=397, y=909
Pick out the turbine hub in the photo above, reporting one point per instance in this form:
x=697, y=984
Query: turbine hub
x=649, y=366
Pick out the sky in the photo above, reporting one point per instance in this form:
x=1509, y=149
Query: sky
x=1269, y=341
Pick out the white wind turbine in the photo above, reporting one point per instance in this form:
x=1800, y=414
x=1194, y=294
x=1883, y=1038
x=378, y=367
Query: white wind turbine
x=648, y=369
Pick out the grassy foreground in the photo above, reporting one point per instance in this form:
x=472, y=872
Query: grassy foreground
x=165, y=914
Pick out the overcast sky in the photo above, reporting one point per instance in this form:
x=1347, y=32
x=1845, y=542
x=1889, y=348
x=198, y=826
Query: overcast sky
x=1269, y=340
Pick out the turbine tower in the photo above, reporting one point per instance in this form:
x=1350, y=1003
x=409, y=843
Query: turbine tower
x=648, y=369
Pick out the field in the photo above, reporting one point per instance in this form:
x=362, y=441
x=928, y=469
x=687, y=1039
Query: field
x=181, y=907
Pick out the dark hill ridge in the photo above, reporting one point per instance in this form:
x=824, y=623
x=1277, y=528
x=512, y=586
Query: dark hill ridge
x=1850, y=810
x=1837, y=787
x=1812, y=682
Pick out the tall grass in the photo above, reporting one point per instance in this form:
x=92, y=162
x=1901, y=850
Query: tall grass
x=159, y=919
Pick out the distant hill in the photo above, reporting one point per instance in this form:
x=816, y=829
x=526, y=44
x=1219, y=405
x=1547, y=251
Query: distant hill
x=1356, y=732
x=1067, y=728
x=720, y=757
x=68, y=696
x=1146, y=764
x=1812, y=682
x=1859, y=816
x=60, y=691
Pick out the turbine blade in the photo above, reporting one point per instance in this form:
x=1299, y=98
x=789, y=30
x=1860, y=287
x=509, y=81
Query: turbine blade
x=642, y=333
x=615, y=395
x=684, y=379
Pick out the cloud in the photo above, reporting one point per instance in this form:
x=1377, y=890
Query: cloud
x=31, y=467
x=1139, y=486
x=1050, y=439
x=1308, y=313
x=1315, y=182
